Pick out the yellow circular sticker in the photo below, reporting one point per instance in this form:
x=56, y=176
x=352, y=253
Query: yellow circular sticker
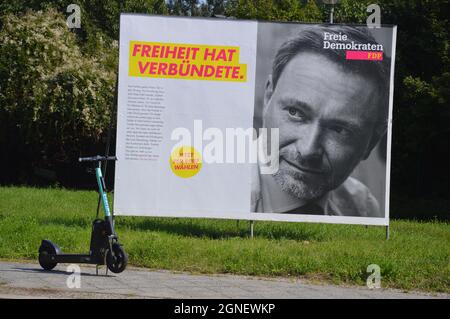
x=185, y=161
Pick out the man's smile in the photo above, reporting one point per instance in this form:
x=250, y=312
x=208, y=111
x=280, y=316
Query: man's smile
x=303, y=169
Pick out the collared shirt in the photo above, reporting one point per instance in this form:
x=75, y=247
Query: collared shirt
x=351, y=198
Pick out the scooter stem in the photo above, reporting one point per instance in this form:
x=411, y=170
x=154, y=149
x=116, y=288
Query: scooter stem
x=103, y=196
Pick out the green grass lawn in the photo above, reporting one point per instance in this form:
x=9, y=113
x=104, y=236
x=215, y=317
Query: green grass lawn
x=417, y=256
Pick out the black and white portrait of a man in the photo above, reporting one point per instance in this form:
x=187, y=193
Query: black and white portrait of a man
x=332, y=115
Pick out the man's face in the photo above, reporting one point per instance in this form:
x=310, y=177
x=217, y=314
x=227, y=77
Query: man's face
x=326, y=119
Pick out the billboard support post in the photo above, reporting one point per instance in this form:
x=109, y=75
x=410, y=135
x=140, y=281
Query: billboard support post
x=332, y=3
x=387, y=232
x=252, y=223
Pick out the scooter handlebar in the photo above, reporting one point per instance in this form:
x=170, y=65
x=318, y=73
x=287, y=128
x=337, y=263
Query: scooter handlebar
x=97, y=158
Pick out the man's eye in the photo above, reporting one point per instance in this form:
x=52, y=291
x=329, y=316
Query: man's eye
x=295, y=112
x=338, y=129
x=341, y=130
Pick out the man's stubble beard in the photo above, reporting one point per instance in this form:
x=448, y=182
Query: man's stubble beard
x=297, y=185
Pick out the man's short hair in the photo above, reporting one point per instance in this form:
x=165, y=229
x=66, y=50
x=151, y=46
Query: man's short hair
x=312, y=40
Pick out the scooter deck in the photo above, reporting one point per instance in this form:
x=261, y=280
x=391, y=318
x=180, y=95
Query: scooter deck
x=71, y=259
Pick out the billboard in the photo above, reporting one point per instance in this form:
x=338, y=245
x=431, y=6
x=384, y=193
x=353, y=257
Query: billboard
x=254, y=120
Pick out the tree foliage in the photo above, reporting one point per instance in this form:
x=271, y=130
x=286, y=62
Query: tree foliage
x=53, y=96
x=279, y=10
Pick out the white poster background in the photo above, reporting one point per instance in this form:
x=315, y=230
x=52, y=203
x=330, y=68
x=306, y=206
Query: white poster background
x=149, y=188
x=152, y=189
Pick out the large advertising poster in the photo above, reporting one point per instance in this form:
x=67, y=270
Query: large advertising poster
x=254, y=120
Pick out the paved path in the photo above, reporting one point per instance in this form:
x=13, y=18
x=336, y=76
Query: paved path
x=27, y=280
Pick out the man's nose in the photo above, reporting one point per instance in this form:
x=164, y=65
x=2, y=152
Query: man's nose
x=309, y=143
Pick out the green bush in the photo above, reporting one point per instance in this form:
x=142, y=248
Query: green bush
x=53, y=96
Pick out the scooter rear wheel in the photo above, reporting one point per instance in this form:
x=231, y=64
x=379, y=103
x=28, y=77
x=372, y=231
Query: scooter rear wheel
x=117, y=260
x=45, y=264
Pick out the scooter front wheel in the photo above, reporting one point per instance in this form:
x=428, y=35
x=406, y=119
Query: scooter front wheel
x=117, y=260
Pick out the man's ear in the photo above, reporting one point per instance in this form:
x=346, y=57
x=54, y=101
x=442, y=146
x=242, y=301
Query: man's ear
x=268, y=92
x=379, y=132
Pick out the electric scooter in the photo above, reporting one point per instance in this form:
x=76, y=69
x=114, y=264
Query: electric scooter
x=105, y=247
